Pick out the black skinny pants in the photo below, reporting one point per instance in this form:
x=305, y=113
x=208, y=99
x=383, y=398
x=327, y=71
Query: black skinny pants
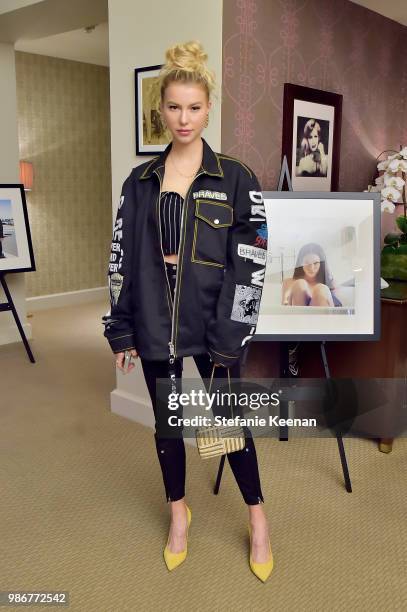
x=171, y=451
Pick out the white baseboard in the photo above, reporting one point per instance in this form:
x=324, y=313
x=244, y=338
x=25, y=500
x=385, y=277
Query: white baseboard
x=69, y=298
x=136, y=409
x=10, y=334
x=131, y=407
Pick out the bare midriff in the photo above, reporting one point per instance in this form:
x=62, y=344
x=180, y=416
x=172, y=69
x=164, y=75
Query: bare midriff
x=171, y=258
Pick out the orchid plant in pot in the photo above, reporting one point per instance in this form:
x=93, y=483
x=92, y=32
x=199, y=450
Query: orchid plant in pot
x=392, y=185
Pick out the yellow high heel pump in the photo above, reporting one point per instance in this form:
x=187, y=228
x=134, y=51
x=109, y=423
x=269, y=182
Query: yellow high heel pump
x=261, y=570
x=171, y=559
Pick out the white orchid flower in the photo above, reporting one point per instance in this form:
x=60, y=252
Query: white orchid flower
x=394, y=181
x=398, y=165
x=391, y=194
x=380, y=180
x=387, y=206
x=383, y=164
x=403, y=152
x=394, y=156
x=374, y=189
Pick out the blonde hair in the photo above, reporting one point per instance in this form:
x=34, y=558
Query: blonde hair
x=186, y=63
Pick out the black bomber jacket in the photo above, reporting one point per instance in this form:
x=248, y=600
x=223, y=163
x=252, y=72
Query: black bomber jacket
x=221, y=264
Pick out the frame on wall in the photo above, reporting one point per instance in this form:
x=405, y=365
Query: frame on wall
x=151, y=137
x=16, y=252
x=312, y=121
x=341, y=233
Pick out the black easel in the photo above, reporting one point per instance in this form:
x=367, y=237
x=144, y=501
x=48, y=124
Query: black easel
x=283, y=430
x=283, y=436
x=284, y=405
x=338, y=435
x=9, y=305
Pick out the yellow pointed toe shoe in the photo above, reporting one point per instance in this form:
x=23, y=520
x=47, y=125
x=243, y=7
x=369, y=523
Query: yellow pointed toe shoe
x=261, y=570
x=171, y=559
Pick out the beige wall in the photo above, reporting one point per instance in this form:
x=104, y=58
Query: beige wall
x=334, y=45
x=9, y=174
x=14, y=5
x=64, y=129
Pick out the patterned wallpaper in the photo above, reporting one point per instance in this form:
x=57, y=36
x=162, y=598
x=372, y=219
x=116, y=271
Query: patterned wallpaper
x=333, y=45
x=64, y=129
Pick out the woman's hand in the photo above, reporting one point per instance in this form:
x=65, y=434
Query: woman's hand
x=120, y=361
x=321, y=149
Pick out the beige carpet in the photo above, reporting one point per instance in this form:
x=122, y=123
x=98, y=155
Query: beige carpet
x=83, y=506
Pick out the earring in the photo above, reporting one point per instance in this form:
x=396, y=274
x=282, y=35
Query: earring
x=206, y=121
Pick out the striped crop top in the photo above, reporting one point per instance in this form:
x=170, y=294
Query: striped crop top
x=171, y=204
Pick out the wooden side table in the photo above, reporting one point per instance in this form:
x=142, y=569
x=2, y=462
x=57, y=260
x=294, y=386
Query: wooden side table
x=386, y=358
x=394, y=301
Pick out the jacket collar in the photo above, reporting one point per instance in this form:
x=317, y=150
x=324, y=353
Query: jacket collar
x=210, y=162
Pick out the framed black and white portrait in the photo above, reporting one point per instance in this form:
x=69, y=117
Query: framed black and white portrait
x=322, y=272
x=16, y=252
x=151, y=136
x=311, y=137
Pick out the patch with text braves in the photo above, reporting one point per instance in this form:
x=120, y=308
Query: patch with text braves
x=248, y=251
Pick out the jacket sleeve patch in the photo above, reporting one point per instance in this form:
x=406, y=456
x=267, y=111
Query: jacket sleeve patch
x=248, y=251
x=115, y=283
x=246, y=304
x=261, y=237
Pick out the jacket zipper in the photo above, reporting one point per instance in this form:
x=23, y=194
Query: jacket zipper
x=169, y=297
x=172, y=343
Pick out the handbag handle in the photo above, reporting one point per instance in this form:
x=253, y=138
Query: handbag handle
x=230, y=389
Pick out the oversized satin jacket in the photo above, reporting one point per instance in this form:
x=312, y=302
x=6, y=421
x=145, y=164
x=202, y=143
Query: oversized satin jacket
x=221, y=264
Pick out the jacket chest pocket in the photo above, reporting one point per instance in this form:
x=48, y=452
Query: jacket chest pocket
x=212, y=221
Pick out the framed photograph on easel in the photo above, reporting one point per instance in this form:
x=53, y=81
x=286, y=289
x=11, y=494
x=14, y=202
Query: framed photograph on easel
x=311, y=137
x=16, y=252
x=322, y=274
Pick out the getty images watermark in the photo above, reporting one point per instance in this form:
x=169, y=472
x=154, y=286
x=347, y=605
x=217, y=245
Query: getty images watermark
x=270, y=407
x=219, y=400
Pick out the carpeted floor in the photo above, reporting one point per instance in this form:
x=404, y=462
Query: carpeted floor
x=83, y=508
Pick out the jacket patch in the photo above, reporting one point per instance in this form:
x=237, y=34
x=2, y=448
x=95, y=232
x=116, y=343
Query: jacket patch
x=258, y=277
x=116, y=252
x=261, y=238
x=246, y=304
x=248, y=251
x=257, y=208
x=212, y=195
x=115, y=285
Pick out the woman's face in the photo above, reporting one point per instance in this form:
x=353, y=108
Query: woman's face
x=184, y=110
x=313, y=140
x=311, y=265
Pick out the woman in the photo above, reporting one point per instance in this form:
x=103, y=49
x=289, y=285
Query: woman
x=176, y=279
x=312, y=283
x=314, y=162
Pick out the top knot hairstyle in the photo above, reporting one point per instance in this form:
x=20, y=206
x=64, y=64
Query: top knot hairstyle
x=186, y=63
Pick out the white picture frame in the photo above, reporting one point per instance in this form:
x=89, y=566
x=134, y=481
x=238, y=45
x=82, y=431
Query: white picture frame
x=346, y=306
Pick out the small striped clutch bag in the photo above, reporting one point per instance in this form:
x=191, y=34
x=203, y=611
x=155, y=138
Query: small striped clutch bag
x=216, y=440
